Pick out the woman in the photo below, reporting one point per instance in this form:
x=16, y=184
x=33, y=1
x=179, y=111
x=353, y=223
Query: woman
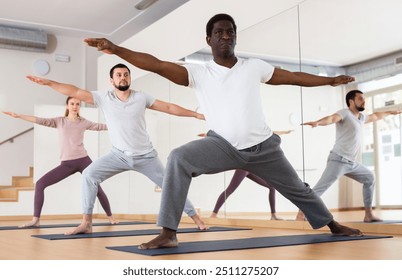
x=74, y=158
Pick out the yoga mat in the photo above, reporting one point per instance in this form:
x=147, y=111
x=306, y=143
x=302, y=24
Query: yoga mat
x=241, y=244
x=74, y=225
x=129, y=233
x=383, y=222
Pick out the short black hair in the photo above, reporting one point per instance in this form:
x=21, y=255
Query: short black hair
x=120, y=65
x=216, y=18
x=351, y=95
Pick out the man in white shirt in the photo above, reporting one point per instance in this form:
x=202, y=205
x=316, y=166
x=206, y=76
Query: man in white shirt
x=124, y=111
x=228, y=90
x=342, y=158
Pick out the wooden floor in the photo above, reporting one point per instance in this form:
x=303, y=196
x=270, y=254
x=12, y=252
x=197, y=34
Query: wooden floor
x=19, y=245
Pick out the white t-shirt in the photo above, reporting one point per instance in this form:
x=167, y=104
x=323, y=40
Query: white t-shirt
x=231, y=101
x=349, y=134
x=126, y=120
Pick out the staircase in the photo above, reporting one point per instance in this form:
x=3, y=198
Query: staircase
x=19, y=183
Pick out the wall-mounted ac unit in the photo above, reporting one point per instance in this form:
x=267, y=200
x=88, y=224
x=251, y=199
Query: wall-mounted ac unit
x=23, y=39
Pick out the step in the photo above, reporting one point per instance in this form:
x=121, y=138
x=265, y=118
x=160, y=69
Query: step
x=19, y=183
x=8, y=193
x=22, y=182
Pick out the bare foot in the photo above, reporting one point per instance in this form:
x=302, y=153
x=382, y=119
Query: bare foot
x=214, y=215
x=199, y=222
x=274, y=217
x=340, y=230
x=369, y=216
x=34, y=223
x=112, y=220
x=300, y=216
x=166, y=239
x=84, y=227
x=371, y=219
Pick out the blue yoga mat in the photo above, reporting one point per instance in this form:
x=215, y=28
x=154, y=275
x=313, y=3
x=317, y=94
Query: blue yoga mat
x=74, y=225
x=129, y=233
x=241, y=244
x=383, y=222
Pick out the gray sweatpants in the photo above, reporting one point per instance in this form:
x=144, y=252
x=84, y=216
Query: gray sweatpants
x=213, y=154
x=116, y=162
x=338, y=166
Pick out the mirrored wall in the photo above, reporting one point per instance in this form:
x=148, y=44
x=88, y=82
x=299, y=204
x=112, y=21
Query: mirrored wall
x=325, y=38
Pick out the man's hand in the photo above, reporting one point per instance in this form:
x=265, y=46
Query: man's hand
x=101, y=44
x=312, y=124
x=40, y=81
x=342, y=80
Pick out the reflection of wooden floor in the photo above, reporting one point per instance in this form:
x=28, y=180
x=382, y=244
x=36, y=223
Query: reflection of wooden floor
x=19, y=245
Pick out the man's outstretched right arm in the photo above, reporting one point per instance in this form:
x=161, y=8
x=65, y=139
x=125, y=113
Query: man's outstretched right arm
x=65, y=89
x=334, y=118
x=169, y=70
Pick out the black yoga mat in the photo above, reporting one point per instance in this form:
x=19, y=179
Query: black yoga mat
x=241, y=244
x=129, y=233
x=384, y=222
x=74, y=225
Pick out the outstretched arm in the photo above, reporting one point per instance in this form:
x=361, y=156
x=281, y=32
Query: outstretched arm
x=174, y=109
x=171, y=71
x=325, y=120
x=380, y=115
x=284, y=77
x=22, y=117
x=65, y=89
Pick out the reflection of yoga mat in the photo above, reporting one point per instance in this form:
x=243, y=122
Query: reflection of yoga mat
x=240, y=244
x=383, y=222
x=129, y=233
x=74, y=225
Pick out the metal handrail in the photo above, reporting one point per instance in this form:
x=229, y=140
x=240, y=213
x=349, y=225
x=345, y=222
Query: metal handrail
x=11, y=139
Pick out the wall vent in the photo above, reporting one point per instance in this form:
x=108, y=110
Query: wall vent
x=398, y=60
x=23, y=39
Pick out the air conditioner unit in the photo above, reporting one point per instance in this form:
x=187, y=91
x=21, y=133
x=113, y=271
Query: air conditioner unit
x=23, y=39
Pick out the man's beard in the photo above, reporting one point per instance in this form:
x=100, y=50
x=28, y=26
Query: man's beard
x=122, y=88
x=360, y=108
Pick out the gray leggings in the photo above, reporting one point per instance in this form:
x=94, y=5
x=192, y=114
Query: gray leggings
x=338, y=166
x=116, y=162
x=213, y=154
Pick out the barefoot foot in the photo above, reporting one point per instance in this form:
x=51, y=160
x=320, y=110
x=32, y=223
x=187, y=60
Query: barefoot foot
x=166, y=239
x=340, y=230
x=300, y=216
x=274, y=217
x=34, y=223
x=371, y=219
x=82, y=228
x=199, y=222
x=112, y=220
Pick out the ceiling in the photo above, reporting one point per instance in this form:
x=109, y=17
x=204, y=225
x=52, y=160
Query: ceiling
x=115, y=19
x=335, y=33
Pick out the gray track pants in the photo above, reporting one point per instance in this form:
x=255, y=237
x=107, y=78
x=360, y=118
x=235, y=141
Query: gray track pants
x=338, y=166
x=116, y=162
x=213, y=154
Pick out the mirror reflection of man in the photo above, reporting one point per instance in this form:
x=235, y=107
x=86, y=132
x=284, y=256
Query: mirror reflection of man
x=342, y=158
